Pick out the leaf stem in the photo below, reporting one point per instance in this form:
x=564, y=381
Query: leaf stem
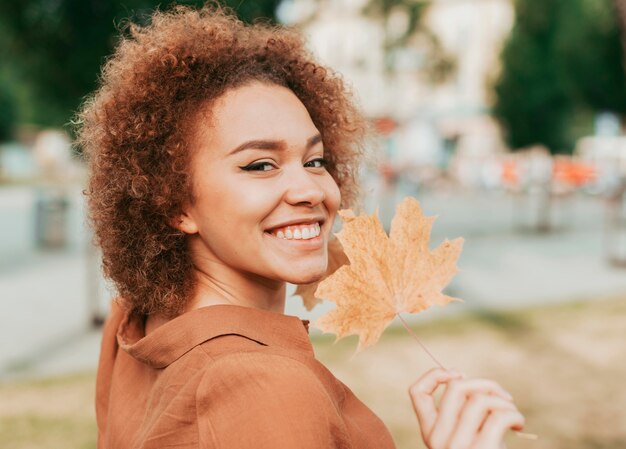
x=406, y=326
x=528, y=436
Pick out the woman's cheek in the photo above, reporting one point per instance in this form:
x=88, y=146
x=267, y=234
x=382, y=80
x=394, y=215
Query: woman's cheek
x=333, y=196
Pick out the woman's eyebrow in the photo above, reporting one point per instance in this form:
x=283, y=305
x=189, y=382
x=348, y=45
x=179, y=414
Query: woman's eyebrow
x=312, y=141
x=272, y=144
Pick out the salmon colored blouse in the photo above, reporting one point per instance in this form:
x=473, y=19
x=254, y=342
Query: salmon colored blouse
x=226, y=377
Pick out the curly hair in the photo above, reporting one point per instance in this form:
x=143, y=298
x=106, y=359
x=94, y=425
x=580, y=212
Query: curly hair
x=137, y=132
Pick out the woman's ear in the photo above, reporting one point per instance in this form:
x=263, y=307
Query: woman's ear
x=185, y=223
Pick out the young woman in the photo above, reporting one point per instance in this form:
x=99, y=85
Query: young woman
x=219, y=156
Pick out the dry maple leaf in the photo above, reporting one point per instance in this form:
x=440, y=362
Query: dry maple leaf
x=336, y=258
x=386, y=275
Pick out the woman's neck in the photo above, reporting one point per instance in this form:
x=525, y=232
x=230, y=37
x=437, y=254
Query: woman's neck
x=223, y=286
x=218, y=284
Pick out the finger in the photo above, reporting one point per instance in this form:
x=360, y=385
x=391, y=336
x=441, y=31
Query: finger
x=475, y=412
x=495, y=426
x=421, y=393
x=453, y=401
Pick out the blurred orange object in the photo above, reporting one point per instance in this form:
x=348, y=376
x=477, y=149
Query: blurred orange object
x=387, y=171
x=573, y=172
x=385, y=125
x=510, y=173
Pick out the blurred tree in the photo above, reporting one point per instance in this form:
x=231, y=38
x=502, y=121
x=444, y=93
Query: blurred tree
x=562, y=56
x=58, y=46
x=589, y=43
x=7, y=111
x=532, y=100
x=620, y=8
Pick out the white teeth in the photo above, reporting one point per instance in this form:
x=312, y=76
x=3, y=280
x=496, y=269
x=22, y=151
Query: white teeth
x=299, y=232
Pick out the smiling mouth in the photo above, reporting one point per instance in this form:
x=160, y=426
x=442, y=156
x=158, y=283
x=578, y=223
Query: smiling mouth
x=306, y=231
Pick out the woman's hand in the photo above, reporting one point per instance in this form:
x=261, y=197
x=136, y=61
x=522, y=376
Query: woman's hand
x=472, y=413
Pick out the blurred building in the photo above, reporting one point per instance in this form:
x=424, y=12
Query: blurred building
x=472, y=31
x=434, y=120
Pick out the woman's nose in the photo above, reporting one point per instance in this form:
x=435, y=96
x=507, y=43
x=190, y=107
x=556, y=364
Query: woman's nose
x=302, y=189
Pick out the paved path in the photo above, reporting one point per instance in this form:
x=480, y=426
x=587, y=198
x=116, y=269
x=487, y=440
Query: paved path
x=46, y=304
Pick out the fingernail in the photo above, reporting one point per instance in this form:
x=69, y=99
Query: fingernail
x=456, y=373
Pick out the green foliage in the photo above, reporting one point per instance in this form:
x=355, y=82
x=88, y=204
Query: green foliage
x=593, y=55
x=532, y=100
x=8, y=112
x=57, y=47
x=562, y=56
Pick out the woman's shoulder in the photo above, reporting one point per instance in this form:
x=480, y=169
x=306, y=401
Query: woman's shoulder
x=235, y=360
x=265, y=382
x=285, y=401
x=239, y=358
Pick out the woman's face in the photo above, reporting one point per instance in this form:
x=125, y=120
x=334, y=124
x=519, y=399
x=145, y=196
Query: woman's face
x=264, y=203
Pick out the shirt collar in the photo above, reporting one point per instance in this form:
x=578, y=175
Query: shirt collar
x=178, y=336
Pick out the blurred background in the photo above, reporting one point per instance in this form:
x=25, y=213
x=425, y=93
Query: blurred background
x=505, y=118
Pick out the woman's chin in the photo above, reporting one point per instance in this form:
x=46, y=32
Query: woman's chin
x=307, y=276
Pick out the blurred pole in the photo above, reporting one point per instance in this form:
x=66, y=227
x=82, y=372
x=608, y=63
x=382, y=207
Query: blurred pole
x=615, y=244
x=532, y=209
x=96, y=315
x=51, y=216
x=534, y=205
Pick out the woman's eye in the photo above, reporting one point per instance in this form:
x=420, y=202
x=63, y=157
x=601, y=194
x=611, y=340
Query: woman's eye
x=258, y=166
x=317, y=163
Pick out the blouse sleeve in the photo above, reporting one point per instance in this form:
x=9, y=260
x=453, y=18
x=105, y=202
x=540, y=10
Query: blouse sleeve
x=263, y=401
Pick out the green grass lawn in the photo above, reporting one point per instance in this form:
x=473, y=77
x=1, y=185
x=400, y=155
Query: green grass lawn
x=564, y=365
